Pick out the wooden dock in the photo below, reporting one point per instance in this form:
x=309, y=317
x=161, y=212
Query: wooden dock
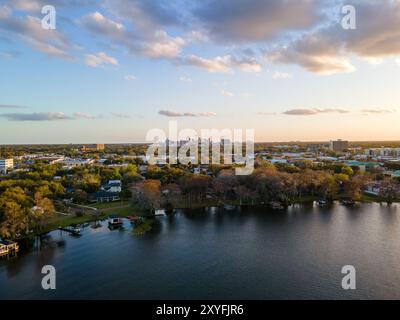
x=8, y=248
x=72, y=230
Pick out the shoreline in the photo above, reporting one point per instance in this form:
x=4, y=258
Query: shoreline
x=133, y=210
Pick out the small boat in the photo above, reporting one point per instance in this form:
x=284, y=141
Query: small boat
x=322, y=203
x=159, y=212
x=96, y=225
x=134, y=219
x=229, y=207
x=276, y=205
x=348, y=202
x=115, y=221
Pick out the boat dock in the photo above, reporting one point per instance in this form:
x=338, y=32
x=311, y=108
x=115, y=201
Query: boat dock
x=8, y=248
x=72, y=230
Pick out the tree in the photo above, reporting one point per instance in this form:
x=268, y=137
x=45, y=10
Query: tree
x=388, y=192
x=16, y=221
x=225, y=183
x=347, y=171
x=353, y=188
x=245, y=194
x=147, y=194
x=41, y=213
x=173, y=194
x=195, y=186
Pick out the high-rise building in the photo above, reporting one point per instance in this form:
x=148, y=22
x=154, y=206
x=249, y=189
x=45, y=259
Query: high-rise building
x=339, y=145
x=6, y=164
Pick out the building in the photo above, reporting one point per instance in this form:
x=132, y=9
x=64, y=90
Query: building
x=364, y=166
x=384, y=153
x=6, y=165
x=72, y=162
x=104, y=196
x=339, y=145
x=113, y=186
x=97, y=147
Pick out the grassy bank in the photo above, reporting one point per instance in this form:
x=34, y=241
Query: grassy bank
x=104, y=211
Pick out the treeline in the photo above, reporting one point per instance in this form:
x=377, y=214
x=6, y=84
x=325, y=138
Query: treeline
x=171, y=187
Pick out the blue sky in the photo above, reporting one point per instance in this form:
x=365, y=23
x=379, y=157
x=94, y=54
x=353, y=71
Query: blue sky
x=112, y=70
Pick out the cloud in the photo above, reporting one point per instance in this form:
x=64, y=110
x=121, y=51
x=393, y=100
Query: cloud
x=161, y=45
x=185, y=79
x=100, y=25
x=36, y=5
x=314, y=111
x=47, y=116
x=222, y=64
x=218, y=64
x=121, y=115
x=87, y=116
x=155, y=44
x=9, y=54
x=324, y=60
x=99, y=59
x=130, y=77
x=255, y=20
x=378, y=111
x=281, y=75
x=11, y=106
x=330, y=49
x=206, y=114
x=40, y=116
x=227, y=93
x=29, y=30
x=145, y=14
x=169, y=113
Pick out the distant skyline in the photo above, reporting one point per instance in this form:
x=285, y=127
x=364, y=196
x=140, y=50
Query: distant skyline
x=114, y=69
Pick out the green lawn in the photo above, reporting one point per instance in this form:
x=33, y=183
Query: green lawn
x=106, y=205
x=63, y=221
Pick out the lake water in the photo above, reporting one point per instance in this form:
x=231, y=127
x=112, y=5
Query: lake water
x=250, y=253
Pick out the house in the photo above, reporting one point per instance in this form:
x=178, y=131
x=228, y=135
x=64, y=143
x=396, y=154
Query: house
x=71, y=162
x=143, y=169
x=112, y=186
x=196, y=170
x=373, y=189
x=396, y=174
x=8, y=247
x=363, y=166
x=104, y=196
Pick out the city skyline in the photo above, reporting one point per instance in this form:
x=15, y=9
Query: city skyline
x=109, y=73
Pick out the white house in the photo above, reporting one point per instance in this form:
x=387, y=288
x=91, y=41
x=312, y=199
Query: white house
x=113, y=186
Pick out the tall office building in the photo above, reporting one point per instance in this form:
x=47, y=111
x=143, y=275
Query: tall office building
x=339, y=145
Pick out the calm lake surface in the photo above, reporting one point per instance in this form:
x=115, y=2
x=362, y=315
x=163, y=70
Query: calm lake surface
x=250, y=253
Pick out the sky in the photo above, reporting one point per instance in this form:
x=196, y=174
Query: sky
x=114, y=69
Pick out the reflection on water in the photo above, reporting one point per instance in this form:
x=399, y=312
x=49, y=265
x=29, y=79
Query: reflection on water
x=223, y=254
